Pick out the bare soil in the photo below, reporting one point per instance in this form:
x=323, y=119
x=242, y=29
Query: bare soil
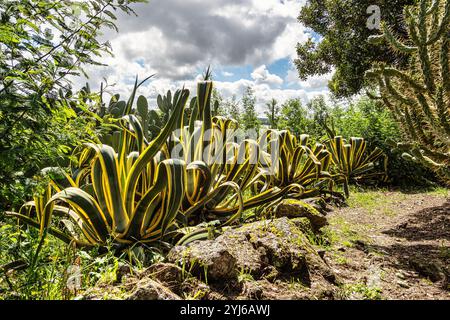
x=392, y=245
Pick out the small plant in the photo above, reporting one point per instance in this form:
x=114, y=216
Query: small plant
x=362, y=291
x=245, y=275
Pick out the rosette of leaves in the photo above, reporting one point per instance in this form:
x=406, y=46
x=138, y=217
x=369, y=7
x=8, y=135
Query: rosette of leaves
x=353, y=162
x=130, y=196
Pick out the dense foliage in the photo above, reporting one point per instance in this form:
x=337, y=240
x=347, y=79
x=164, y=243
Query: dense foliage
x=149, y=190
x=343, y=47
x=364, y=117
x=43, y=44
x=100, y=181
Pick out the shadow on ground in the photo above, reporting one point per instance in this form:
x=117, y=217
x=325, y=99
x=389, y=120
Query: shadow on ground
x=426, y=249
x=426, y=224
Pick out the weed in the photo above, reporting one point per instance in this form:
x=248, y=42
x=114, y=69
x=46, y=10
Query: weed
x=362, y=292
x=245, y=275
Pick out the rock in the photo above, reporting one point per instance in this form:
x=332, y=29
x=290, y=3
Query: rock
x=270, y=250
x=322, y=253
x=403, y=225
x=403, y=284
x=276, y=255
x=361, y=245
x=163, y=272
x=429, y=269
x=401, y=275
x=373, y=278
x=253, y=290
x=195, y=289
x=167, y=274
x=404, y=275
x=209, y=260
x=298, y=209
x=149, y=289
x=105, y=291
x=122, y=271
x=305, y=225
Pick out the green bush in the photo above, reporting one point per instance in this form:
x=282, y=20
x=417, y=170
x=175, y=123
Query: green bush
x=369, y=119
x=365, y=118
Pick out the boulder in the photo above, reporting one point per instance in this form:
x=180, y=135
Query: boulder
x=302, y=209
x=208, y=260
x=267, y=250
x=149, y=289
x=170, y=275
x=123, y=270
x=432, y=270
x=271, y=259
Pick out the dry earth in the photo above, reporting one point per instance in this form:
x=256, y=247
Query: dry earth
x=392, y=245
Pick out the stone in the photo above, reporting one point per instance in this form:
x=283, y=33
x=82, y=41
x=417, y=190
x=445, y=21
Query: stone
x=361, y=245
x=428, y=269
x=301, y=209
x=195, y=289
x=403, y=284
x=122, y=271
x=276, y=255
x=149, y=289
x=268, y=250
x=253, y=290
x=401, y=275
x=167, y=274
x=209, y=260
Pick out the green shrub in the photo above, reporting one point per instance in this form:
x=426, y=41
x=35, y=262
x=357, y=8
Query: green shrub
x=371, y=120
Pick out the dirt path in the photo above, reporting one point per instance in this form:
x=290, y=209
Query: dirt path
x=392, y=245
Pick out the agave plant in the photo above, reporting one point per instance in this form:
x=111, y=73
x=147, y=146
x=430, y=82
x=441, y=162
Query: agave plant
x=353, y=163
x=136, y=191
x=294, y=162
x=127, y=196
x=219, y=170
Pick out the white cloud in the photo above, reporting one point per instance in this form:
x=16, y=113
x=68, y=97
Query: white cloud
x=312, y=83
x=227, y=74
x=262, y=75
x=177, y=39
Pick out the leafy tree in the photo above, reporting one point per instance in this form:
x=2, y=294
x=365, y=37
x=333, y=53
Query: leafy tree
x=370, y=119
x=273, y=113
x=231, y=108
x=293, y=117
x=342, y=27
x=249, y=116
x=321, y=122
x=43, y=44
x=365, y=118
x=218, y=103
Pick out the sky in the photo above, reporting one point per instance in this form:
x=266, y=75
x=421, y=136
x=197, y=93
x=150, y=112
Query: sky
x=246, y=43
